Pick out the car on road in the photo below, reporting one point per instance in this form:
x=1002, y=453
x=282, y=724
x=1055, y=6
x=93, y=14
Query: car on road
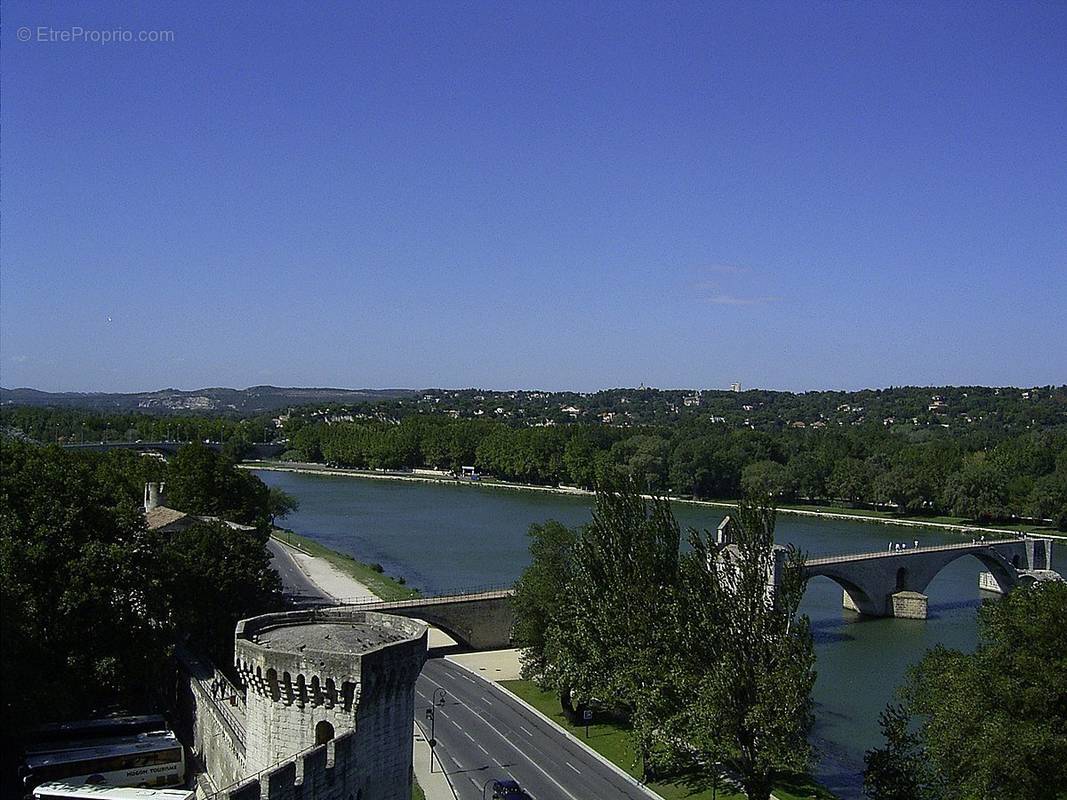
x=508, y=790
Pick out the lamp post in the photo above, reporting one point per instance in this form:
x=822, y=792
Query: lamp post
x=433, y=739
x=437, y=699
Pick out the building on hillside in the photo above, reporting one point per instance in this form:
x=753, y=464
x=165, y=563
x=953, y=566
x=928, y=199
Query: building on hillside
x=735, y=387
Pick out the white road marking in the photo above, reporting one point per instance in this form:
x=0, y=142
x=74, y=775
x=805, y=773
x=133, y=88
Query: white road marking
x=531, y=762
x=569, y=764
x=487, y=700
x=468, y=736
x=450, y=675
x=521, y=728
x=482, y=749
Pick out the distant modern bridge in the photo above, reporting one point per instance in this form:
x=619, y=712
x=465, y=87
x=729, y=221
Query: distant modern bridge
x=255, y=450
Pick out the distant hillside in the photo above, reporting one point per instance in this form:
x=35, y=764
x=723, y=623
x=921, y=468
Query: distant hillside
x=253, y=400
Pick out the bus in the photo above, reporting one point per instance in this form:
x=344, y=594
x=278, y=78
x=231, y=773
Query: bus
x=104, y=728
x=151, y=759
x=62, y=790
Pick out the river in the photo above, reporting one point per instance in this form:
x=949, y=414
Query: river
x=445, y=538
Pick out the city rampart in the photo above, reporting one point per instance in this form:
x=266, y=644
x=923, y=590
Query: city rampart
x=325, y=710
x=211, y=713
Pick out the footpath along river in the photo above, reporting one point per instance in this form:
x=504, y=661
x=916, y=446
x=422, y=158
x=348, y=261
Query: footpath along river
x=444, y=537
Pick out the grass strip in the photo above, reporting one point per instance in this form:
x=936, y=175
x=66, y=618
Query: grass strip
x=613, y=742
x=386, y=587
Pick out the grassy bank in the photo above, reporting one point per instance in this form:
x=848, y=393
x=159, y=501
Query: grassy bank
x=416, y=791
x=613, y=742
x=386, y=587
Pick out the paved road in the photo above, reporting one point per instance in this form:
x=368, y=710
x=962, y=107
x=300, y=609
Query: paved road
x=296, y=586
x=484, y=734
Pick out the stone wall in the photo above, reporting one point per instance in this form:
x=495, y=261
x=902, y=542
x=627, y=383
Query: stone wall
x=211, y=711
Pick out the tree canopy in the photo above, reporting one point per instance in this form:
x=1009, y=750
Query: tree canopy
x=988, y=724
x=709, y=670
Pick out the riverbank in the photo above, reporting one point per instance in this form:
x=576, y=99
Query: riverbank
x=365, y=578
x=954, y=524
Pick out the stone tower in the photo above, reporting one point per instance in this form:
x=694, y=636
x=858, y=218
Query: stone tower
x=313, y=675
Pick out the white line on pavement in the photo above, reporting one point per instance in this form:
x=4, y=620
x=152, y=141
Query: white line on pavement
x=569, y=764
x=525, y=731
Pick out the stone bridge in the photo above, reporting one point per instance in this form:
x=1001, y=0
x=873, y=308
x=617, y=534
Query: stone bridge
x=884, y=584
x=892, y=583
x=481, y=620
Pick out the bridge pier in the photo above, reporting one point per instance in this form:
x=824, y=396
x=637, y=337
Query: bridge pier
x=902, y=605
x=908, y=605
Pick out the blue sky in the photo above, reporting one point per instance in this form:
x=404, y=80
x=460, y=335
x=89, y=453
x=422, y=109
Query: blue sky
x=796, y=196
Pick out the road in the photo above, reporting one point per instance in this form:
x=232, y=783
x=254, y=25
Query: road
x=482, y=732
x=297, y=586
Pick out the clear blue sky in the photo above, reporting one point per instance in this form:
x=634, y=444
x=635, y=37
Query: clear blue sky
x=820, y=195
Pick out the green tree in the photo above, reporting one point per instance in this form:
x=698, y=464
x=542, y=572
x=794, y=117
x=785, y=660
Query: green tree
x=538, y=590
x=977, y=490
x=993, y=723
x=746, y=659
x=80, y=584
x=216, y=575
x=851, y=480
x=768, y=479
x=615, y=629
x=898, y=771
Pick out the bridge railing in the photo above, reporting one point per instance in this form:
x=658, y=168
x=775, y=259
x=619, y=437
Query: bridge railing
x=977, y=544
x=467, y=593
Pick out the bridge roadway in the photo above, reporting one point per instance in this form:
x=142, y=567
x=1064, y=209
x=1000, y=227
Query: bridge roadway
x=483, y=733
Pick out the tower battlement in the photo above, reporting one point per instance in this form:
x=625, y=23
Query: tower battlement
x=311, y=676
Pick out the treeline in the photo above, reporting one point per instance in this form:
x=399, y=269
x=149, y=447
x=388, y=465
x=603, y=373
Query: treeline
x=93, y=601
x=73, y=426
x=984, y=476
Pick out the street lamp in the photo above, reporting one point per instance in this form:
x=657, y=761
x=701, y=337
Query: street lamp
x=432, y=717
x=433, y=739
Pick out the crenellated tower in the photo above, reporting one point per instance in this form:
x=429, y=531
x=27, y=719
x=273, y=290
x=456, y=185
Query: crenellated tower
x=313, y=675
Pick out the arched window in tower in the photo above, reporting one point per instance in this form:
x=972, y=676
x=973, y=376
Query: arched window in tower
x=323, y=732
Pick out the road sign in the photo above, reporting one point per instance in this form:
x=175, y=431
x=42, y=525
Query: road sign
x=587, y=715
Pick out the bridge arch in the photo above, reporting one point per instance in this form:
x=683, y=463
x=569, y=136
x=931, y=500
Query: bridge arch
x=902, y=579
x=858, y=598
x=1004, y=572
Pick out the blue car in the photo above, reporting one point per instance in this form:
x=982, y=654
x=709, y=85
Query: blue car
x=508, y=790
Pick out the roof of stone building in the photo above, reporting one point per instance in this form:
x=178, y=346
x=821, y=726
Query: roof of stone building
x=329, y=637
x=163, y=517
